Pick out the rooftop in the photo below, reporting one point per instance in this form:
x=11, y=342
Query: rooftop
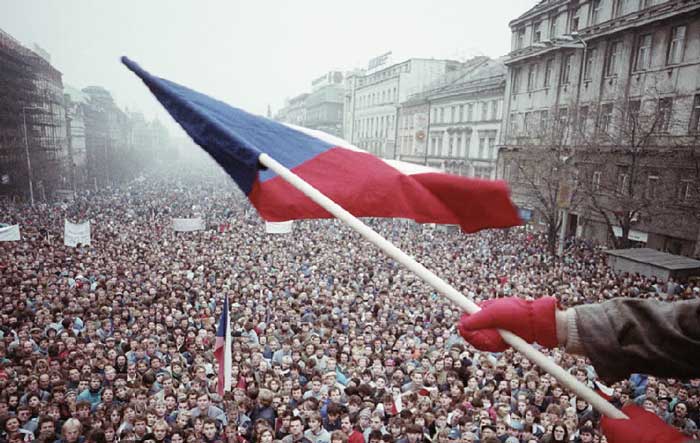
x=657, y=258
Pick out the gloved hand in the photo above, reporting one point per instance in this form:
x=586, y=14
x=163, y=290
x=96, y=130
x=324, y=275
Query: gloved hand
x=642, y=427
x=533, y=321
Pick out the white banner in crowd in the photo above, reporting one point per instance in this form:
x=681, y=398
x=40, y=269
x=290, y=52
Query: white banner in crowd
x=284, y=227
x=9, y=233
x=188, y=224
x=76, y=233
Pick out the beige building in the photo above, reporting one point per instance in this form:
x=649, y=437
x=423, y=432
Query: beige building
x=596, y=67
x=455, y=126
x=373, y=97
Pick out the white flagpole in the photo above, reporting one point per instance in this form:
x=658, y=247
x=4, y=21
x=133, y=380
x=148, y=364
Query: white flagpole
x=532, y=354
x=228, y=343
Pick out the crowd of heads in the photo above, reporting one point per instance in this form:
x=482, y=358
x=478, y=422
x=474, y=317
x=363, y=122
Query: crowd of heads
x=332, y=341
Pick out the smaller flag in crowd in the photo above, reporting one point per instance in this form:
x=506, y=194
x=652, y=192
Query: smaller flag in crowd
x=222, y=351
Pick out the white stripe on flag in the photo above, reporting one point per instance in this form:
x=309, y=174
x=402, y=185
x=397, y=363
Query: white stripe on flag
x=228, y=358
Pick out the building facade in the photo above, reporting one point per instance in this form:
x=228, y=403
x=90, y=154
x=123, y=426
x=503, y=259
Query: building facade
x=294, y=110
x=455, y=127
x=33, y=146
x=74, y=102
x=106, y=137
x=324, y=105
x=373, y=99
x=595, y=75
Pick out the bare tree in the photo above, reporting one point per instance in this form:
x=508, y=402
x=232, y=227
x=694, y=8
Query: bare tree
x=543, y=167
x=624, y=158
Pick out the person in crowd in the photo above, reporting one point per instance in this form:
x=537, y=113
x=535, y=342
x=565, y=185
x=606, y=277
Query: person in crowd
x=332, y=341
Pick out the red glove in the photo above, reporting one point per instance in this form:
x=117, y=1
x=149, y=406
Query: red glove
x=533, y=321
x=642, y=427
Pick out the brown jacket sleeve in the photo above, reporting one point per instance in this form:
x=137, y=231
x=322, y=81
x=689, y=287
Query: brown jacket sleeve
x=624, y=336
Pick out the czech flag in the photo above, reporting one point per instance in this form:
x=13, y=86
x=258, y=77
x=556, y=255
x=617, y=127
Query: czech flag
x=364, y=185
x=222, y=351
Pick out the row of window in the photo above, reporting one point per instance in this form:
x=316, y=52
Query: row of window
x=374, y=127
x=382, y=75
x=660, y=120
x=377, y=98
x=478, y=111
x=559, y=23
x=457, y=146
x=651, y=189
x=675, y=54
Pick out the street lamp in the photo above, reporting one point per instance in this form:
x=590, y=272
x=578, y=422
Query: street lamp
x=26, y=151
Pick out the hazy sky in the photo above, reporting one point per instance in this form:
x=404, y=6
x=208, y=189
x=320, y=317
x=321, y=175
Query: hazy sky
x=252, y=53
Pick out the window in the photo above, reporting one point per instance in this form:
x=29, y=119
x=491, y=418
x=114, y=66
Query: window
x=544, y=115
x=442, y=115
x=612, y=59
x=633, y=113
x=643, y=4
x=606, y=112
x=482, y=146
x=492, y=146
x=623, y=184
x=484, y=111
x=588, y=68
x=595, y=183
x=470, y=112
x=676, y=45
x=458, y=145
x=507, y=173
x=520, y=38
x=531, y=77
x=583, y=118
x=566, y=69
x=595, y=11
x=515, y=87
x=664, y=114
x=526, y=122
x=536, y=32
x=461, y=113
x=513, y=123
x=563, y=117
x=618, y=8
x=450, y=146
x=643, y=52
x=652, y=186
x=494, y=110
x=685, y=190
x=695, y=115
x=574, y=24
x=548, y=68
x=552, y=26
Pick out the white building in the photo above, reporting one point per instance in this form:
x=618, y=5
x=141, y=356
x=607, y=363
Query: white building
x=456, y=126
x=373, y=98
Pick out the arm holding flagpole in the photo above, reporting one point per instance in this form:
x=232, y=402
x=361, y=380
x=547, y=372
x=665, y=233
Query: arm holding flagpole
x=566, y=379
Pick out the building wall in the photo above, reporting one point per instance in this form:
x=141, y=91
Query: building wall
x=31, y=97
x=603, y=53
x=324, y=105
x=456, y=126
x=377, y=96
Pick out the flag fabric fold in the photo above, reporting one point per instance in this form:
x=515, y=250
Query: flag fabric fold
x=222, y=351
x=363, y=184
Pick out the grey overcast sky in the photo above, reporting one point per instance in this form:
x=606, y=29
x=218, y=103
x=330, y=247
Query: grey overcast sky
x=252, y=53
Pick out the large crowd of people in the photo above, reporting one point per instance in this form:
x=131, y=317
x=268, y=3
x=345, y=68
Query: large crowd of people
x=333, y=342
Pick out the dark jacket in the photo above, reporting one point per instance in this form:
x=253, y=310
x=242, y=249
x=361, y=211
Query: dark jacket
x=626, y=335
